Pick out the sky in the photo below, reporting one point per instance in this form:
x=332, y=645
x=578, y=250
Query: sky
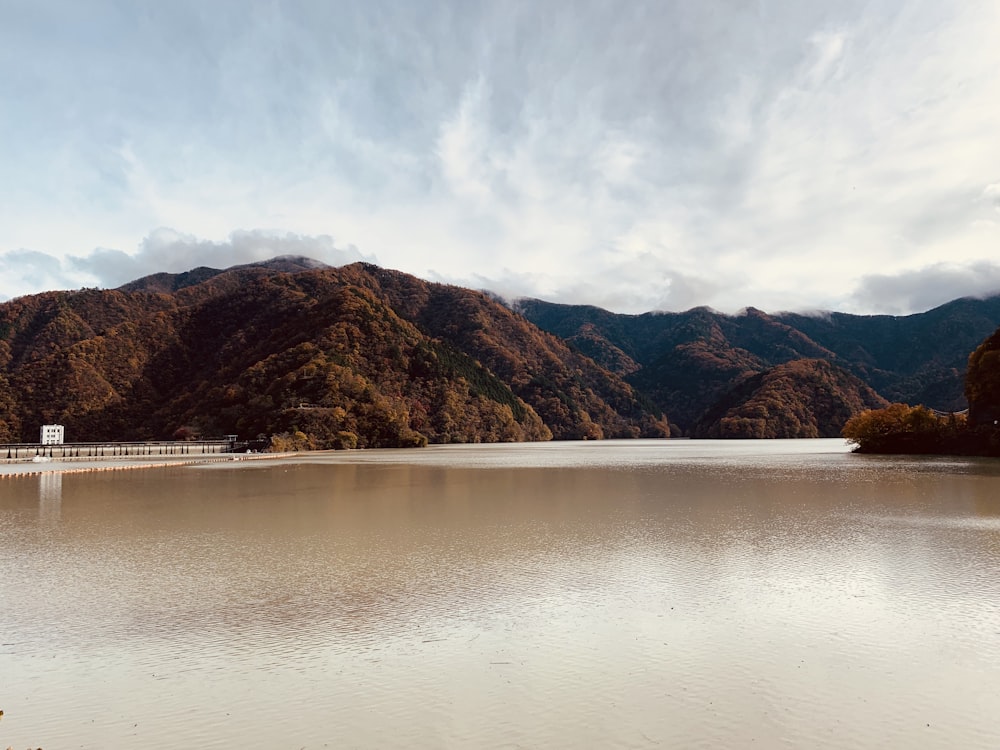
x=639, y=155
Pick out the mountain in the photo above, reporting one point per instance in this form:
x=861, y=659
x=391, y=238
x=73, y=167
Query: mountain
x=360, y=355
x=321, y=357
x=172, y=282
x=686, y=362
x=804, y=398
x=919, y=359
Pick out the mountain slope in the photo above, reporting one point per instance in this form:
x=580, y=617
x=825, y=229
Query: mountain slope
x=326, y=357
x=686, y=361
x=914, y=358
x=804, y=398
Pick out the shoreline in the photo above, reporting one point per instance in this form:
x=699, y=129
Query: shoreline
x=30, y=468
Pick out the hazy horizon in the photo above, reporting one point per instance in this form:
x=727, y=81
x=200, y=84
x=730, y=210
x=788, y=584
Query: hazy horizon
x=513, y=301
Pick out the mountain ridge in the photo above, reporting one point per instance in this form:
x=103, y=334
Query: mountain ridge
x=324, y=357
x=686, y=361
x=361, y=355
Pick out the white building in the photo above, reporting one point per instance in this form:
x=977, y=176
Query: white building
x=52, y=434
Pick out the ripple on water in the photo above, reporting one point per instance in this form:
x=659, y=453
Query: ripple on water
x=561, y=597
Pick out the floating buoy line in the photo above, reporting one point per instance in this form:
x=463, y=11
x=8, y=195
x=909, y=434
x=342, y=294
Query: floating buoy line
x=111, y=464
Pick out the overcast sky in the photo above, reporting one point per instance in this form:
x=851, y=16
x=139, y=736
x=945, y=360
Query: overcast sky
x=634, y=155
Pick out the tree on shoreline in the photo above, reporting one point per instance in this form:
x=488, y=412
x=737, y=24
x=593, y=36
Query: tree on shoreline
x=982, y=383
x=900, y=428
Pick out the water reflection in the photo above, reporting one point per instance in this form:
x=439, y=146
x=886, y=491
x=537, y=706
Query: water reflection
x=50, y=497
x=728, y=599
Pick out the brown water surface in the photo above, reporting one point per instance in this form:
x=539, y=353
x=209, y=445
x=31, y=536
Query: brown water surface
x=611, y=594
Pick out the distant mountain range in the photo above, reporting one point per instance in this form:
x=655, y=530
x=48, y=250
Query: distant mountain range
x=701, y=363
x=362, y=356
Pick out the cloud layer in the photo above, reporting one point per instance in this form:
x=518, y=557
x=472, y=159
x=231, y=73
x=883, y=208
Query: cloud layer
x=652, y=155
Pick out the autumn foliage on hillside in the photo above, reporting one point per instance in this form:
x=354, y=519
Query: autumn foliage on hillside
x=982, y=382
x=686, y=362
x=326, y=358
x=901, y=428
x=805, y=398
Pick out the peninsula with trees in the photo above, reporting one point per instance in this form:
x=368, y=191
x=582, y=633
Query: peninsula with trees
x=901, y=428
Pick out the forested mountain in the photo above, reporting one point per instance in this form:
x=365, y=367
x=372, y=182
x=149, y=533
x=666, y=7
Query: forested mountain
x=692, y=363
x=359, y=355
x=804, y=398
x=321, y=357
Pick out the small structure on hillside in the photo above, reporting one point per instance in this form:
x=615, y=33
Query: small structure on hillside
x=52, y=434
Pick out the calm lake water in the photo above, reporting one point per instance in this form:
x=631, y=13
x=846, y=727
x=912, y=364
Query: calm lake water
x=633, y=594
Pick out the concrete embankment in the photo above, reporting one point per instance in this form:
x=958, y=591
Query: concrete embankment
x=30, y=467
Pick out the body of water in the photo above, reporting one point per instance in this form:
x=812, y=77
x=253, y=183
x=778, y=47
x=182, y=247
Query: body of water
x=624, y=594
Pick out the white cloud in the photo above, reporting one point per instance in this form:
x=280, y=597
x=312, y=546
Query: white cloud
x=924, y=288
x=829, y=47
x=462, y=149
x=991, y=194
x=639, y=156
x=25, y=271
x=163, y=250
